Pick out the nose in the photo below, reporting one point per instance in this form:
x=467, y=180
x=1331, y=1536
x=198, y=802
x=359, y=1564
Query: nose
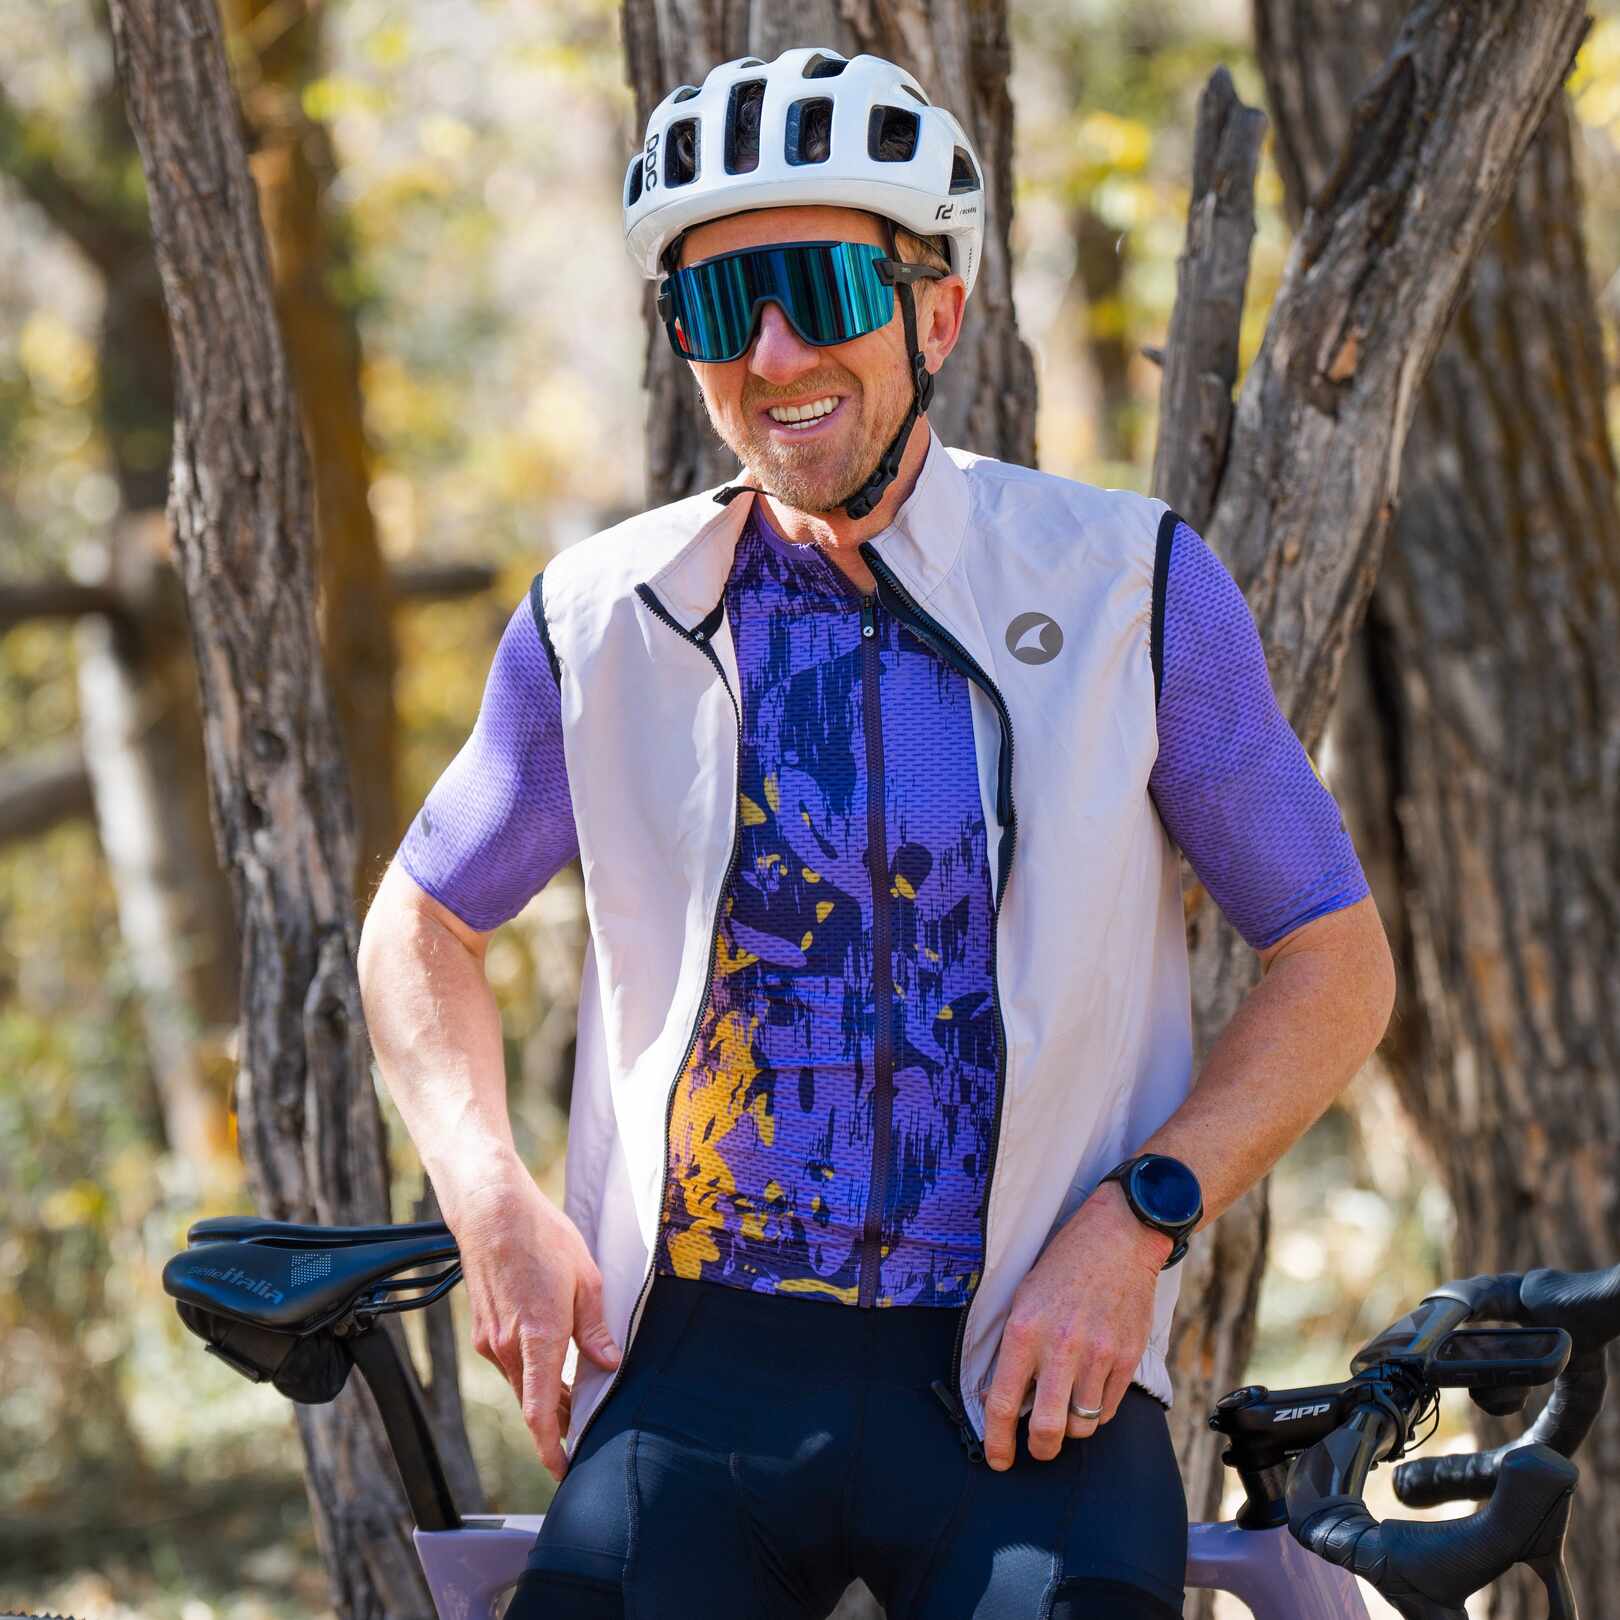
x=779, y=354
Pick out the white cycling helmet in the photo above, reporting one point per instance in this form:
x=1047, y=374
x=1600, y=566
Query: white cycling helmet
x=811, y=127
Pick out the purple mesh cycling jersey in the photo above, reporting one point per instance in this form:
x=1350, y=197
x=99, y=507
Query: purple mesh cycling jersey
x=820, y=1142
x=815, y=1148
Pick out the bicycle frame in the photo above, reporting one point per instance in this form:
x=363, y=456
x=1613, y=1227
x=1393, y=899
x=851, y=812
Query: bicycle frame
x=470, y=1569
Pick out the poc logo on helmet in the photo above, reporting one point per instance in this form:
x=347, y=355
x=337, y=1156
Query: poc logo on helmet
x=1034, y=638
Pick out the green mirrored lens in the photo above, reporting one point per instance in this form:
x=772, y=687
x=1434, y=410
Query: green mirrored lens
x=829, y=291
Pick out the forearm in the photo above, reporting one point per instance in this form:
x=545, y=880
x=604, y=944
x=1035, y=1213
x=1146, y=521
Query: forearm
x=436, y=1033
x=1295, y=1042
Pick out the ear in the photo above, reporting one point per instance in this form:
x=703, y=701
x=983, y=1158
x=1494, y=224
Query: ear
x=941, y=321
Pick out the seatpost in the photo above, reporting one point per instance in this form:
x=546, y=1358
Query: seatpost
x=410, y=1436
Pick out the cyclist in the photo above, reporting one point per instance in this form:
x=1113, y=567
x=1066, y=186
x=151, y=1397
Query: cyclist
x=884, y=1137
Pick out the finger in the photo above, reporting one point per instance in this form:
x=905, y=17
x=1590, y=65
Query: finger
x=1087, y=1391
x=1119, y=1380
x=542, y=1382
x=1049, y=1417
x=1015, y=1366
x=591, y=1332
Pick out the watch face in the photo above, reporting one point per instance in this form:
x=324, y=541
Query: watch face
x=1167, y=1190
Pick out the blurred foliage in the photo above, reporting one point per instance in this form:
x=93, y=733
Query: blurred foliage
x=481, y=144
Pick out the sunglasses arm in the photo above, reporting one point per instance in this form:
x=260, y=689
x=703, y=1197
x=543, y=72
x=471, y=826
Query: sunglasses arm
x=891, y=271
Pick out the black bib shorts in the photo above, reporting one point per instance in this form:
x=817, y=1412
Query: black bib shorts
x=761, y=1451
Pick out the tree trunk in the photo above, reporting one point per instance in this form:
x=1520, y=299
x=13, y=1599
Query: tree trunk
x=243, y=518
x=1101, y=257
x=293, y=164
x=1213, y=1332
x=137, y=681
x=278, y=54
x=959, y=51
x=1493, y=656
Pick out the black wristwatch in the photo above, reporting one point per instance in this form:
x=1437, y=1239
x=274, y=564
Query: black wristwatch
x=1163, y=1193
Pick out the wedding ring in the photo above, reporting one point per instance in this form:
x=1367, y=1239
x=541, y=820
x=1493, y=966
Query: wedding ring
x=1085, y=1411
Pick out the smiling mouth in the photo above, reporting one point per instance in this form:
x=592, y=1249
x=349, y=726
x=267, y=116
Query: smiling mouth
x=804, y=420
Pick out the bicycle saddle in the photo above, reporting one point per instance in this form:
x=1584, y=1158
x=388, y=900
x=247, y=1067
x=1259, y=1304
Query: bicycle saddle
x=251, y=1229
x=297, y=1290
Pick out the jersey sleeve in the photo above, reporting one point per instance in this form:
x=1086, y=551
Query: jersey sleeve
x=499, y=824
x=1232, y=783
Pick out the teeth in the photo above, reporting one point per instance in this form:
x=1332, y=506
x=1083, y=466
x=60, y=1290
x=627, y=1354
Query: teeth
x=804, y=413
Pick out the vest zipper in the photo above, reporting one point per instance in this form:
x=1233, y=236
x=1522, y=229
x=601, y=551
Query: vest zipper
x=877, y=860
x=699, y=638
x=900, y=602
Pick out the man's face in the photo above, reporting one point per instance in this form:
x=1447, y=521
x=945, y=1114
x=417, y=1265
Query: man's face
x=819, y=465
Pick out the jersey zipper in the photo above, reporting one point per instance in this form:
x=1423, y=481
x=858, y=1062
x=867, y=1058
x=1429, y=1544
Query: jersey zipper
x=904, y=607
x=700, y=638
x=877, y=860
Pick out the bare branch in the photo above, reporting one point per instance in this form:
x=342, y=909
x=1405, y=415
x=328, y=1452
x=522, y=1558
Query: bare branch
x=38, y=792
x=23, y=601
x=101, y=227
x=1212, y=275
x=439, y=582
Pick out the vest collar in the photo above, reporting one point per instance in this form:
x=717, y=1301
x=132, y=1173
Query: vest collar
x=925, y=539
x=921, y=544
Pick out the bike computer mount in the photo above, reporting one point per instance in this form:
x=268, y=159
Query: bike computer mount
x=1498, y=1366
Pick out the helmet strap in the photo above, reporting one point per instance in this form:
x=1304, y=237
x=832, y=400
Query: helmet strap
x=922, y=391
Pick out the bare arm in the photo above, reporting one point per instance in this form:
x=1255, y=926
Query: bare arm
x=1292, y=1046
x=436, y=1032
x=1081, y=1316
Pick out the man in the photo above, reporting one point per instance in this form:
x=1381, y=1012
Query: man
x=884, y=1139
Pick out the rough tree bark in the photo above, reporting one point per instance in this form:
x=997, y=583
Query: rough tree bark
x=1492, y=698
x=959, y=50
x=242, y=511
x=277, y=54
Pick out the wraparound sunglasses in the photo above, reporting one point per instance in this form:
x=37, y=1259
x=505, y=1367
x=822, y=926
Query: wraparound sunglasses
x=830, y=292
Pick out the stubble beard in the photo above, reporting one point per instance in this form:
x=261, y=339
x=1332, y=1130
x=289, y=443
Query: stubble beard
x=811, y=484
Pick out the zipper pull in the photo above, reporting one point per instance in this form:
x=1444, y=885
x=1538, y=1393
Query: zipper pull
x=970, y=1441
x=868, y=617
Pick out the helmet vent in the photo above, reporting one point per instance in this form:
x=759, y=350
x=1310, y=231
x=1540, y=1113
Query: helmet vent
x=821, y=66
x=632, y=182
x=681, y=153
x=964, y=177
x=891, y=135
x=912, y=90
x=742, y=126
x=809, y=131
x=750, y=61
x=686, y=92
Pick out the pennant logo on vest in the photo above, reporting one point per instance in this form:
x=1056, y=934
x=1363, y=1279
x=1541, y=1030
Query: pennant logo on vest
x=1034, y=638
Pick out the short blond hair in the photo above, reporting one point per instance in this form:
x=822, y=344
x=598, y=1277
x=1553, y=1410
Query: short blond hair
x=930, y=250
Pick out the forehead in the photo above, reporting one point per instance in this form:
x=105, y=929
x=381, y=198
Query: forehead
x=761, y=225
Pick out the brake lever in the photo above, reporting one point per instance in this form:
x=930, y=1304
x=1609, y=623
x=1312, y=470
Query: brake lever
x=1555, y=1577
